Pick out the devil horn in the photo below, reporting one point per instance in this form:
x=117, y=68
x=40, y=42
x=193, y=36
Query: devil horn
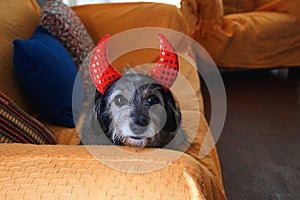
x=166, y=69
x=101, y=70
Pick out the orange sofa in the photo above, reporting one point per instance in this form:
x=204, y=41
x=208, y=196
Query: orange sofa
x=246, y=33
x=69, y=170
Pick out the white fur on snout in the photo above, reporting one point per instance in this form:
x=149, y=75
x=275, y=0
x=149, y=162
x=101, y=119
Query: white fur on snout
x=121, y=121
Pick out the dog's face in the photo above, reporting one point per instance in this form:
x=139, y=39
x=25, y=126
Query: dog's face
x=137, y=111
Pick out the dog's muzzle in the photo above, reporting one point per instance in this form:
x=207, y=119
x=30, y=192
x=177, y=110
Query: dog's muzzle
x=144, y=126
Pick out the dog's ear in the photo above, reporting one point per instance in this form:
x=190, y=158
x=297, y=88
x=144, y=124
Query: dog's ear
x=101, y=112
x=89, y=126
x=98, y=96
x=173, y=113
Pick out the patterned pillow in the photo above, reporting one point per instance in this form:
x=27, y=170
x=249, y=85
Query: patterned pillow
x=62, y=22
x=16, y=126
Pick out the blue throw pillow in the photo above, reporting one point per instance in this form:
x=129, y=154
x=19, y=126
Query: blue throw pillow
x=46, y=74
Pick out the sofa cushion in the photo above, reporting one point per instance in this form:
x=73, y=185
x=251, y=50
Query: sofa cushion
x=19, y=127
x=47, y=74
x=18, y=19
x=62, y=22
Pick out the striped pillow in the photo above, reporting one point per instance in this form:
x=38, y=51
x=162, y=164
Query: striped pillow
x=16, y=126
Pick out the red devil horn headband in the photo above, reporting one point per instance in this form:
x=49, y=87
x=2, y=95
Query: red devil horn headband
x=103, y=73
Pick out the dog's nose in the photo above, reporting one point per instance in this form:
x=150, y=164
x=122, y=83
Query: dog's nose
x=139, y=119
x=136, y=129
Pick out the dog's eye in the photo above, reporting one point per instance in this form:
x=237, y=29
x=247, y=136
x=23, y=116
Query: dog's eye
x=151, y=100
x=120, y=100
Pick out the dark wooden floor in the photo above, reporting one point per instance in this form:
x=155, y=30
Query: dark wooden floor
x=259, y=147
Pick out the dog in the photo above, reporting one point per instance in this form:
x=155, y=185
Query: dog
x=137, y=111
x=134, y=109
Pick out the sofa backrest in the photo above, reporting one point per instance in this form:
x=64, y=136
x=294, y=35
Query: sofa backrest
x=238, y=6
x=282, y=6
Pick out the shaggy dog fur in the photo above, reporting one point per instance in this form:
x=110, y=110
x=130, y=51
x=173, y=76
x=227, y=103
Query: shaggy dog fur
x=136, y=111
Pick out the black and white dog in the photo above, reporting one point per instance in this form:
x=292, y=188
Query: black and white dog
x=137, y=109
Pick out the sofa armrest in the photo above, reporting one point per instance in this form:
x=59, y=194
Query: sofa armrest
x=72, y=172
x=18, y=19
